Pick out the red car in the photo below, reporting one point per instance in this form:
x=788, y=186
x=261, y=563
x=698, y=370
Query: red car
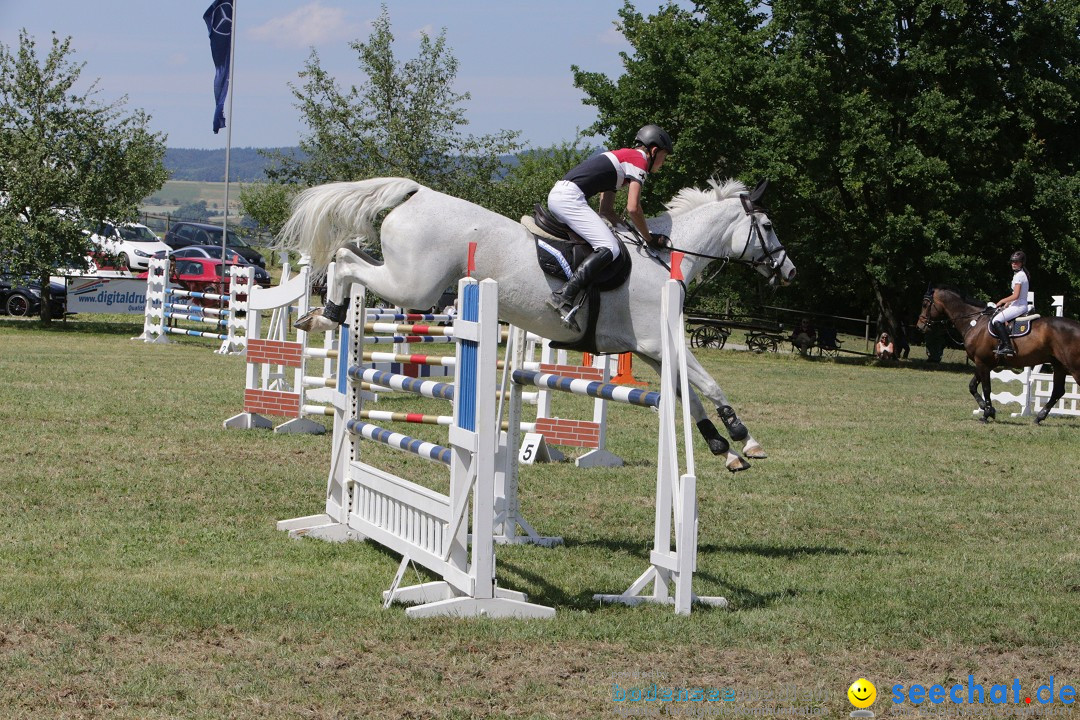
x=204, y=275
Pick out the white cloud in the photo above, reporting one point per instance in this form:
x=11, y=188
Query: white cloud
x=312, y=24
x=611, y=36
x=428, y=30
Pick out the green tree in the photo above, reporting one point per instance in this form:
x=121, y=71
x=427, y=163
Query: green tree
x=66, y=160
x=530, y=176
x=405, y=119
x=908, y=140
x=267, y=204
x=194, y=210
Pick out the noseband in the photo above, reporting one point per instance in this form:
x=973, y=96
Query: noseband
x=772, y=259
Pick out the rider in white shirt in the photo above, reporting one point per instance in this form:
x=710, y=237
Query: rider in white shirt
x=1012, y=306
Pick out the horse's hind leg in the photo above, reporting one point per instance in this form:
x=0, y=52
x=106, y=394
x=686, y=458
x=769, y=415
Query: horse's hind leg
x=718, y=445
x=1055, y=394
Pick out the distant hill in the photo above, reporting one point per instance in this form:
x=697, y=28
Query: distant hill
x=245, y=164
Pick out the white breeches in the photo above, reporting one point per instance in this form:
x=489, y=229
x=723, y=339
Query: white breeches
x=1010, y=312
x=568, y=203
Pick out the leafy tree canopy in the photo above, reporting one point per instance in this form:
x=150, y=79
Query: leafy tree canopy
x=404, y=119
x=66, y=159
x=907, y=140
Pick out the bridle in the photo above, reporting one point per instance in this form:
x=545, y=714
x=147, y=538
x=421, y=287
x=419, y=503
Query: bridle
x=925, y=320
x=773, y=259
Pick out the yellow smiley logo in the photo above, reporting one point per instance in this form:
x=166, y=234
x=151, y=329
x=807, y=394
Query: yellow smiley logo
x=862, y=693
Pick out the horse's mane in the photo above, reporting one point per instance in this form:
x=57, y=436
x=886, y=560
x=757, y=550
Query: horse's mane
x=689, y=198
x=969, y=299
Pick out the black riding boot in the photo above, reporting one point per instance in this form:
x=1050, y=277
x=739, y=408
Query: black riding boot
x=563, y=299
x=1005, y=346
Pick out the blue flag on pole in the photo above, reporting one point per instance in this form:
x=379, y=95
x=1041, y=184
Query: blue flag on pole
x=218, y=19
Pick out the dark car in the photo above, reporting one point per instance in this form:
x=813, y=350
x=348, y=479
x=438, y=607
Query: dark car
x=186, y=233
x=22, y=297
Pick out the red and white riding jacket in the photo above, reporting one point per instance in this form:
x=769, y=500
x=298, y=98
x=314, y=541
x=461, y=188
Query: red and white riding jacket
x=610, y=171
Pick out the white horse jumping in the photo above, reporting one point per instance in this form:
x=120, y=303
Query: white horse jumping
x=424, y=239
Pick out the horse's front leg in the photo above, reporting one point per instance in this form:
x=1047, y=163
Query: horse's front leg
x=717, y=443
x=735, y=427
x=333, y=312
x=982, y=376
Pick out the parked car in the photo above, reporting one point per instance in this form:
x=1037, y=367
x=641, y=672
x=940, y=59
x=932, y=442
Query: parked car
x=204, y=275
x=132, y=244
x=21, y=296
x=213, y=252
x=185, y=233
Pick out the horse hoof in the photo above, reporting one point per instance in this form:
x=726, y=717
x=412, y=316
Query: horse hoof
x=736, y=464
x=314, y=321
x=718, y=446
x=754, y=452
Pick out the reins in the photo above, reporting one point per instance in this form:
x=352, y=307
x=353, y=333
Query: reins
x=767, y=259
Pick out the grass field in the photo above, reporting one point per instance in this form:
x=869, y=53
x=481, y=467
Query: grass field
x=889, y=535
x=176, y=193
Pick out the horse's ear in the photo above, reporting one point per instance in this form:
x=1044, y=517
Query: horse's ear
x=755, y=196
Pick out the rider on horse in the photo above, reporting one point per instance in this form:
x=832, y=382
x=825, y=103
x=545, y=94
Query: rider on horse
x=1013, y=306
x=604, y=174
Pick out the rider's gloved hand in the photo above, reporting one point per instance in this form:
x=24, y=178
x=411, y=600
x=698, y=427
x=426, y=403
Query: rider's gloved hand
x=659, y=240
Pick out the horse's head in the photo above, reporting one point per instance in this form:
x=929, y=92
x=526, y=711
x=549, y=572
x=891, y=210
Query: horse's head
x=931, y=309
x=739, y=232
x=763, y=250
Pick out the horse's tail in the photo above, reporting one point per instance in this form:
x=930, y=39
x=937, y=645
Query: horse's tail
x=327, y=217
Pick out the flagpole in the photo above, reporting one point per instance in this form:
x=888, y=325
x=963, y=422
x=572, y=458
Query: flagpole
x=228, y=145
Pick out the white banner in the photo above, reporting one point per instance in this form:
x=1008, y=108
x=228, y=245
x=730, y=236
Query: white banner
x=96, y=294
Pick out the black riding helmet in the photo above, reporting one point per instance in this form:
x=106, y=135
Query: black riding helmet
x=1019, y=257
x=654, y=136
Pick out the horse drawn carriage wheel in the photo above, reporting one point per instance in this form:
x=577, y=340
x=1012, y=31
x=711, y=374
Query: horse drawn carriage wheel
x=708, y=336
x=759, y=344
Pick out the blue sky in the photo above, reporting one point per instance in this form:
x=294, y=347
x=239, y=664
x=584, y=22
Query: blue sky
x=514, y=57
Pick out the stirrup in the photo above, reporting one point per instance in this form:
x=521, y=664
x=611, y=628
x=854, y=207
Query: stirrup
x=568, y=318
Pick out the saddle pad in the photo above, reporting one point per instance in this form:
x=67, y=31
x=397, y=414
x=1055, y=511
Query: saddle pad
x=1019, y=327
x=559, y=259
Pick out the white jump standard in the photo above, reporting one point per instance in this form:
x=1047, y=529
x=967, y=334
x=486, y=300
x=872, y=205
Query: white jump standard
x=424, y=526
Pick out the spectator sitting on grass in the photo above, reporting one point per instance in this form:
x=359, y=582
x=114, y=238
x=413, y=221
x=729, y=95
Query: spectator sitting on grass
x=883, y=350
x=804, y=335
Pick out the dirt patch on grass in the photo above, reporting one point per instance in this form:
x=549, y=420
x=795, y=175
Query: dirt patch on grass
x=221, y=672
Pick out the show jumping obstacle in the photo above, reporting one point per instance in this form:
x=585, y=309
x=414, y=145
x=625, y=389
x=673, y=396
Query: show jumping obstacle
x=1035, y=386
x=426, y=527
x=278, y=379
x=227, y=319
x=569, y=432
x=422, y=525
x=676, y=494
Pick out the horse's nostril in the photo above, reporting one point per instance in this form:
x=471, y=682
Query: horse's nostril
x=791, y=275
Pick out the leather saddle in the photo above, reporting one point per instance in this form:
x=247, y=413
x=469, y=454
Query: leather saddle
x=559, y=250
x=1019, y=327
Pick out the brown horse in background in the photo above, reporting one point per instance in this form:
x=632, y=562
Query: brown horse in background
x=1051, y=340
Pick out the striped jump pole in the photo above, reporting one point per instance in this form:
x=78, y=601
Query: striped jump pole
x=599, y=390
x=436, y=330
